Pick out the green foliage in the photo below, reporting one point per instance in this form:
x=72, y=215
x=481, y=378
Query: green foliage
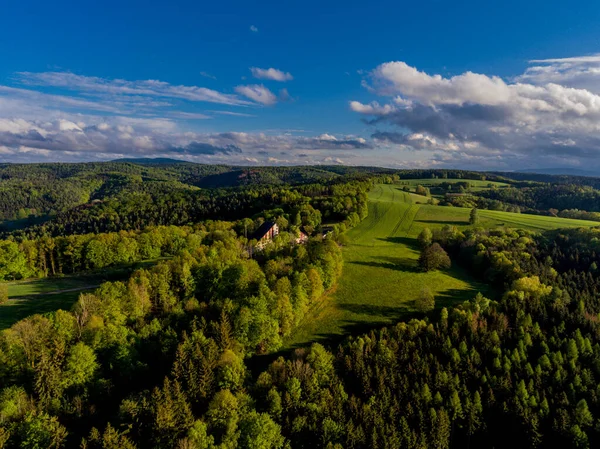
x=159, y=359
x=425, y=301
x=13, y=264
x=81, y=365
x=259, y=431
x=3, y=293
x=425, y=237
x=434, y=257
x=474, y=216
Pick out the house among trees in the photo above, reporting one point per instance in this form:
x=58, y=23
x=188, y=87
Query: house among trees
x=301, y=239
x=265, y=234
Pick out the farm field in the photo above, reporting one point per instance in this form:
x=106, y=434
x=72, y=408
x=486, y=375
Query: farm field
x=381, y=278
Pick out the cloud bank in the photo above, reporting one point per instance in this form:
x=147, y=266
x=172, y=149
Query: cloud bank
x=549, y=116
x=103, y=138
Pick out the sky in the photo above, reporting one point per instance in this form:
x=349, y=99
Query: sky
x=470, y=84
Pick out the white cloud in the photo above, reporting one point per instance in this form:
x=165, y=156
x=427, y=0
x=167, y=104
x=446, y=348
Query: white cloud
x=475, y=117
x=253, y=29
x=152, y=88
x=188, y=115
x=580, y=72
x=400, y=78
x=257, y=93
x=234, y=114
x=372, y=108
x=271, y=74
x=574, y=60
x=106, y=138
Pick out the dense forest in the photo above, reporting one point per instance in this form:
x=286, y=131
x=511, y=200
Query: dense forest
x=167, y=358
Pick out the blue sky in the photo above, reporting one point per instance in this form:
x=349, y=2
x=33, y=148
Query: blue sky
x=401, y=84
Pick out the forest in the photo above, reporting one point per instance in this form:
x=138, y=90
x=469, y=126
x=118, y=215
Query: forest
x=190, y=351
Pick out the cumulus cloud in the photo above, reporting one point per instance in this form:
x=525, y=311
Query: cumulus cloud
x=271, y=74
x=253, y=29
x=257, y=93
x=473, y=116
x=372, y=108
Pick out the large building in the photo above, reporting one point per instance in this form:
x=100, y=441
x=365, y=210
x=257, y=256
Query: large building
x=263, y=235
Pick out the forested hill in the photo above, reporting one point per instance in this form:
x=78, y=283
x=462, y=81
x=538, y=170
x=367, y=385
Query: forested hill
x=31, y=194
x=178, y=351
x=61, y=194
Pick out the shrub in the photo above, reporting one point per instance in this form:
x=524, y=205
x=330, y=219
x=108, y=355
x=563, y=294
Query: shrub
x=425, y=301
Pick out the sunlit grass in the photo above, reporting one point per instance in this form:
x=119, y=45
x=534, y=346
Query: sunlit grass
x=381, y=279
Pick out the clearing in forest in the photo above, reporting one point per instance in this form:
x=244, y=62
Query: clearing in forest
x=33, y=296
x=381, y=279
x=30, y=296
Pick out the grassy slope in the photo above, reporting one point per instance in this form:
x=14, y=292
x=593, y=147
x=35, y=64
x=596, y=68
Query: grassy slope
x=475, y=184
x=381, y=280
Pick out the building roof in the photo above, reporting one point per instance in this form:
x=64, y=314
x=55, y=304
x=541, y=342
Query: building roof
x=262, y=230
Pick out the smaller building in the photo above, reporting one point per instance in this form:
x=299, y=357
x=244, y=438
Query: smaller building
x=301, y=239
x=265, y=234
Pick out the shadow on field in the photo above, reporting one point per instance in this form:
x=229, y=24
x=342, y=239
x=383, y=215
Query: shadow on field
x=450, y=298
x=394, y=315
x=375, y=310
x=392, y=263
x=19, y=308
x=406, y=241
x=446, y=222
x=331, y=341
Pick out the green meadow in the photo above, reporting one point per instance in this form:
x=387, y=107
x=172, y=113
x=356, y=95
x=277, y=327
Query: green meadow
x=31, y=296
x=476, y=185
x=41, y=296
x=381, y=279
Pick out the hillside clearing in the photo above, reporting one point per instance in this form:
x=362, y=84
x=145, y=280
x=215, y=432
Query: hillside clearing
x=381, y=278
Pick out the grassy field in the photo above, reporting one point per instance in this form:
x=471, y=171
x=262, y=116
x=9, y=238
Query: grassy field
x=44, y=295
x=381, y=279
x=476, y=185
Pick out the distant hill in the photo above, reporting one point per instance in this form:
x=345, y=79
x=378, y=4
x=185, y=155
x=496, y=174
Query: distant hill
x=151, y=161
x=561, y=171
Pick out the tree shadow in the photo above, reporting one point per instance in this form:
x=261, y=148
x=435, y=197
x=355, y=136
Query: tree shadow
x=393, y=263
x=375, y=310
x=445, y=222
x=406, y=241
x=382, y=316
x=19, y=308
